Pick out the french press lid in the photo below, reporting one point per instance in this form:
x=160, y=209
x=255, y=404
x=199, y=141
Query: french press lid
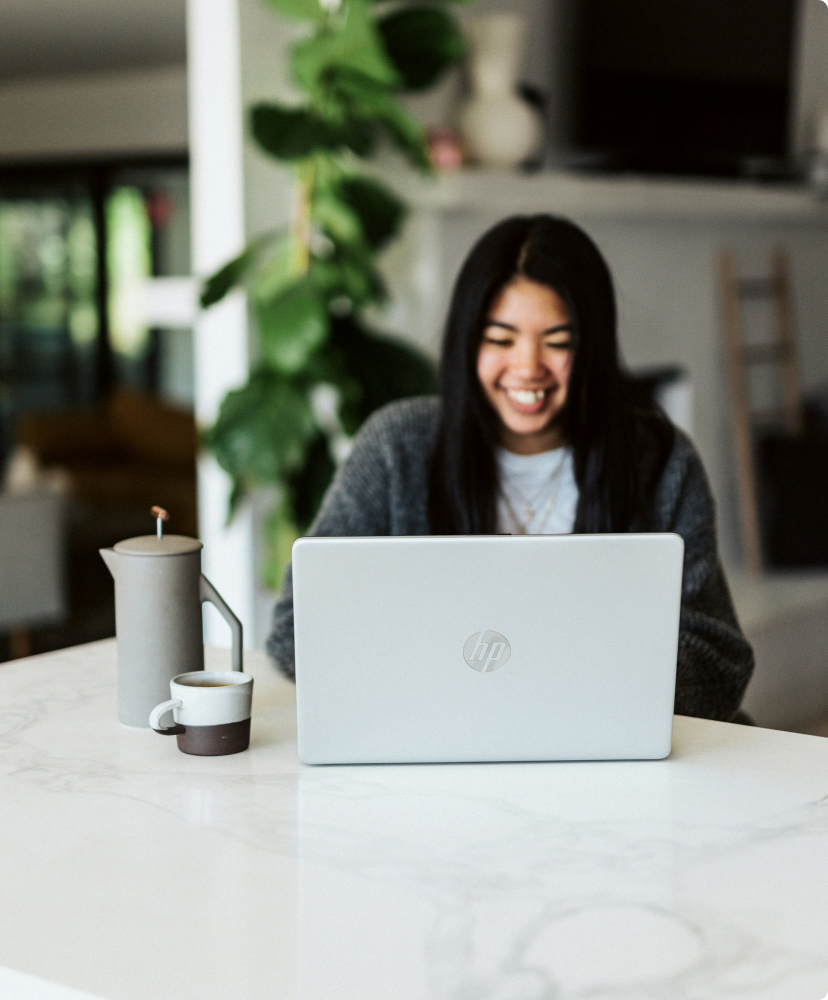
x=158, y=544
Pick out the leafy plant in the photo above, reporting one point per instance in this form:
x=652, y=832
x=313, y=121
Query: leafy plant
x=320, y=368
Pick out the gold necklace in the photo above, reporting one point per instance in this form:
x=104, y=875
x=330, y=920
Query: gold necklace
x=523, y=529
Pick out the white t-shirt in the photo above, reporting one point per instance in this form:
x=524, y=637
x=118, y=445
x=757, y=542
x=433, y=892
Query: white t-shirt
x=543, y=484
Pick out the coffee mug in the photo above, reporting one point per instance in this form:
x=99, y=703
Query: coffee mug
x=211, y=709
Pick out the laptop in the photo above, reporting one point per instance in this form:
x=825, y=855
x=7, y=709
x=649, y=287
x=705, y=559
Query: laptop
x=486, y=648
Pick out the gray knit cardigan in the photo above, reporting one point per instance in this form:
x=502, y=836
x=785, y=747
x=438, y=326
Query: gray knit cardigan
x=382, y=489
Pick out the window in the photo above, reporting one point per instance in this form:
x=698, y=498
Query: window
x=74, y=242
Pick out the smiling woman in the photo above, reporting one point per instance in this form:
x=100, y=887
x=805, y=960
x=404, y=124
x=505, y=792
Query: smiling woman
x=539, y=430
x=533, y=310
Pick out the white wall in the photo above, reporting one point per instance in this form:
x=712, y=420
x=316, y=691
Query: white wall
x=670, y=311
x=139, y=112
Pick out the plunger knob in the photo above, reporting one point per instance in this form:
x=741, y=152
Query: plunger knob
x=160, y=516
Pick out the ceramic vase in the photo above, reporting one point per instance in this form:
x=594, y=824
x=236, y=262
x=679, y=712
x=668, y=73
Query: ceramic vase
x=498, y=128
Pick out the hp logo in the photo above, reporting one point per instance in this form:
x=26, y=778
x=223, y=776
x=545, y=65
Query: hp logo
x=486, y=651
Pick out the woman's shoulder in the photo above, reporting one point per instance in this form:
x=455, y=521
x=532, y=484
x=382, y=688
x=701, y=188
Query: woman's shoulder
x=683, y=492
x=667, y=451
x=406, y=423
x=683, y=458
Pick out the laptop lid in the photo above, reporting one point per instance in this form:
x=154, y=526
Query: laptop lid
x=486, y=648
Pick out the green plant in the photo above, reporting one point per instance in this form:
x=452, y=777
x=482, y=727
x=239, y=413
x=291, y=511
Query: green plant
x=321, y=369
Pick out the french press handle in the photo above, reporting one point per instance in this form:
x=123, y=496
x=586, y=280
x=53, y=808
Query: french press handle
x=209, y=593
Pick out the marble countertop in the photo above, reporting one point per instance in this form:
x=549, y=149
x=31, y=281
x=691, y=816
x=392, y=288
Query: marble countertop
x=131, y=871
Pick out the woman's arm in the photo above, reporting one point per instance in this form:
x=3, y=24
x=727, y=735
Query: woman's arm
x=715, y=661
x=379, y=490
x=356, y=503
x=280, y=641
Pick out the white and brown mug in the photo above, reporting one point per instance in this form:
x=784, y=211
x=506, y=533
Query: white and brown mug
x=211, y=710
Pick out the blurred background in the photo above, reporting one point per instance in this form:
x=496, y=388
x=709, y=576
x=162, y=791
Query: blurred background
x=690, y=139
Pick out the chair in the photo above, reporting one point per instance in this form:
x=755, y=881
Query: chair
x=130, y=453
x=32, y=589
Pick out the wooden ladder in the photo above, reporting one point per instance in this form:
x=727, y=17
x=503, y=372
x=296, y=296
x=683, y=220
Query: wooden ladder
x=780, y=351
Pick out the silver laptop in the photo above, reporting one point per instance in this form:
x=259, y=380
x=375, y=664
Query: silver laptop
x=486, y=648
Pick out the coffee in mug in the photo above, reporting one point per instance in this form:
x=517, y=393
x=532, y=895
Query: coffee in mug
x=211, y=710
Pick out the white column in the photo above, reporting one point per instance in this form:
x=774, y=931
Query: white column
x=220, y=334
x=235, y=56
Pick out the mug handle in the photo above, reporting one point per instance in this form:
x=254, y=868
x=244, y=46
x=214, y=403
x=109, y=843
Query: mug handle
x=209, y=593
x=162, y=709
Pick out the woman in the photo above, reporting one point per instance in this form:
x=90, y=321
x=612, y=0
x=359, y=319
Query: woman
x=537, y=430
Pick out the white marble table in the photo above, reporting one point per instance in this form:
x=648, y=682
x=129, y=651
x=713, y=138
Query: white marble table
x=133, y=872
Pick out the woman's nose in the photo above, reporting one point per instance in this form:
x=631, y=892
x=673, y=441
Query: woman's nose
x=528, y=359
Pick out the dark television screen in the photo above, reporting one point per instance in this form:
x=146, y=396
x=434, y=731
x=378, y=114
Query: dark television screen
x=683, y=86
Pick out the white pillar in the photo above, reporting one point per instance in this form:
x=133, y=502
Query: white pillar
x=228, y=43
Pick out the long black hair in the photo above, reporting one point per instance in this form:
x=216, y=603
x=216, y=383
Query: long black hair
x=620, y=441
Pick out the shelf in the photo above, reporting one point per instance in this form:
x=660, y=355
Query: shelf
x=622, y=197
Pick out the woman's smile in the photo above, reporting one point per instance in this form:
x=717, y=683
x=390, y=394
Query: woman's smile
x=528, y=401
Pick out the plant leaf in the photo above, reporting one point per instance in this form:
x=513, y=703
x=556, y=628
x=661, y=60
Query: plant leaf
x=290, y=133
x=386, y=369
x=405, y=132
x=280, y=534
x=294, y=133
x=379, y=210
x=336, y=217
x=329, y=365
x=237, y=494
x=377, y=103
x=234, y=271
x=308, y=484
x=350, y=271
x=423, y=42
x=263, y=429
x=357, y=135
x=292, y=327
x=279, y=272
x=303, y=10
x=351, y=42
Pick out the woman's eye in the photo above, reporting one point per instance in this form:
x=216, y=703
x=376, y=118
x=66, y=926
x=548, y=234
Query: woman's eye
x=560, y=345
x=498, y=342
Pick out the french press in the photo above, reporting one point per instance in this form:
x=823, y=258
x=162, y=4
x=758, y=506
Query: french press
x=159, y=590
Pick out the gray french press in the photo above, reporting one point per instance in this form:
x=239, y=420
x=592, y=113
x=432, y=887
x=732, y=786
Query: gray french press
x=159, y=590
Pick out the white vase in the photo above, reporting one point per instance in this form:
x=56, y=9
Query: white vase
x=498, y=128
